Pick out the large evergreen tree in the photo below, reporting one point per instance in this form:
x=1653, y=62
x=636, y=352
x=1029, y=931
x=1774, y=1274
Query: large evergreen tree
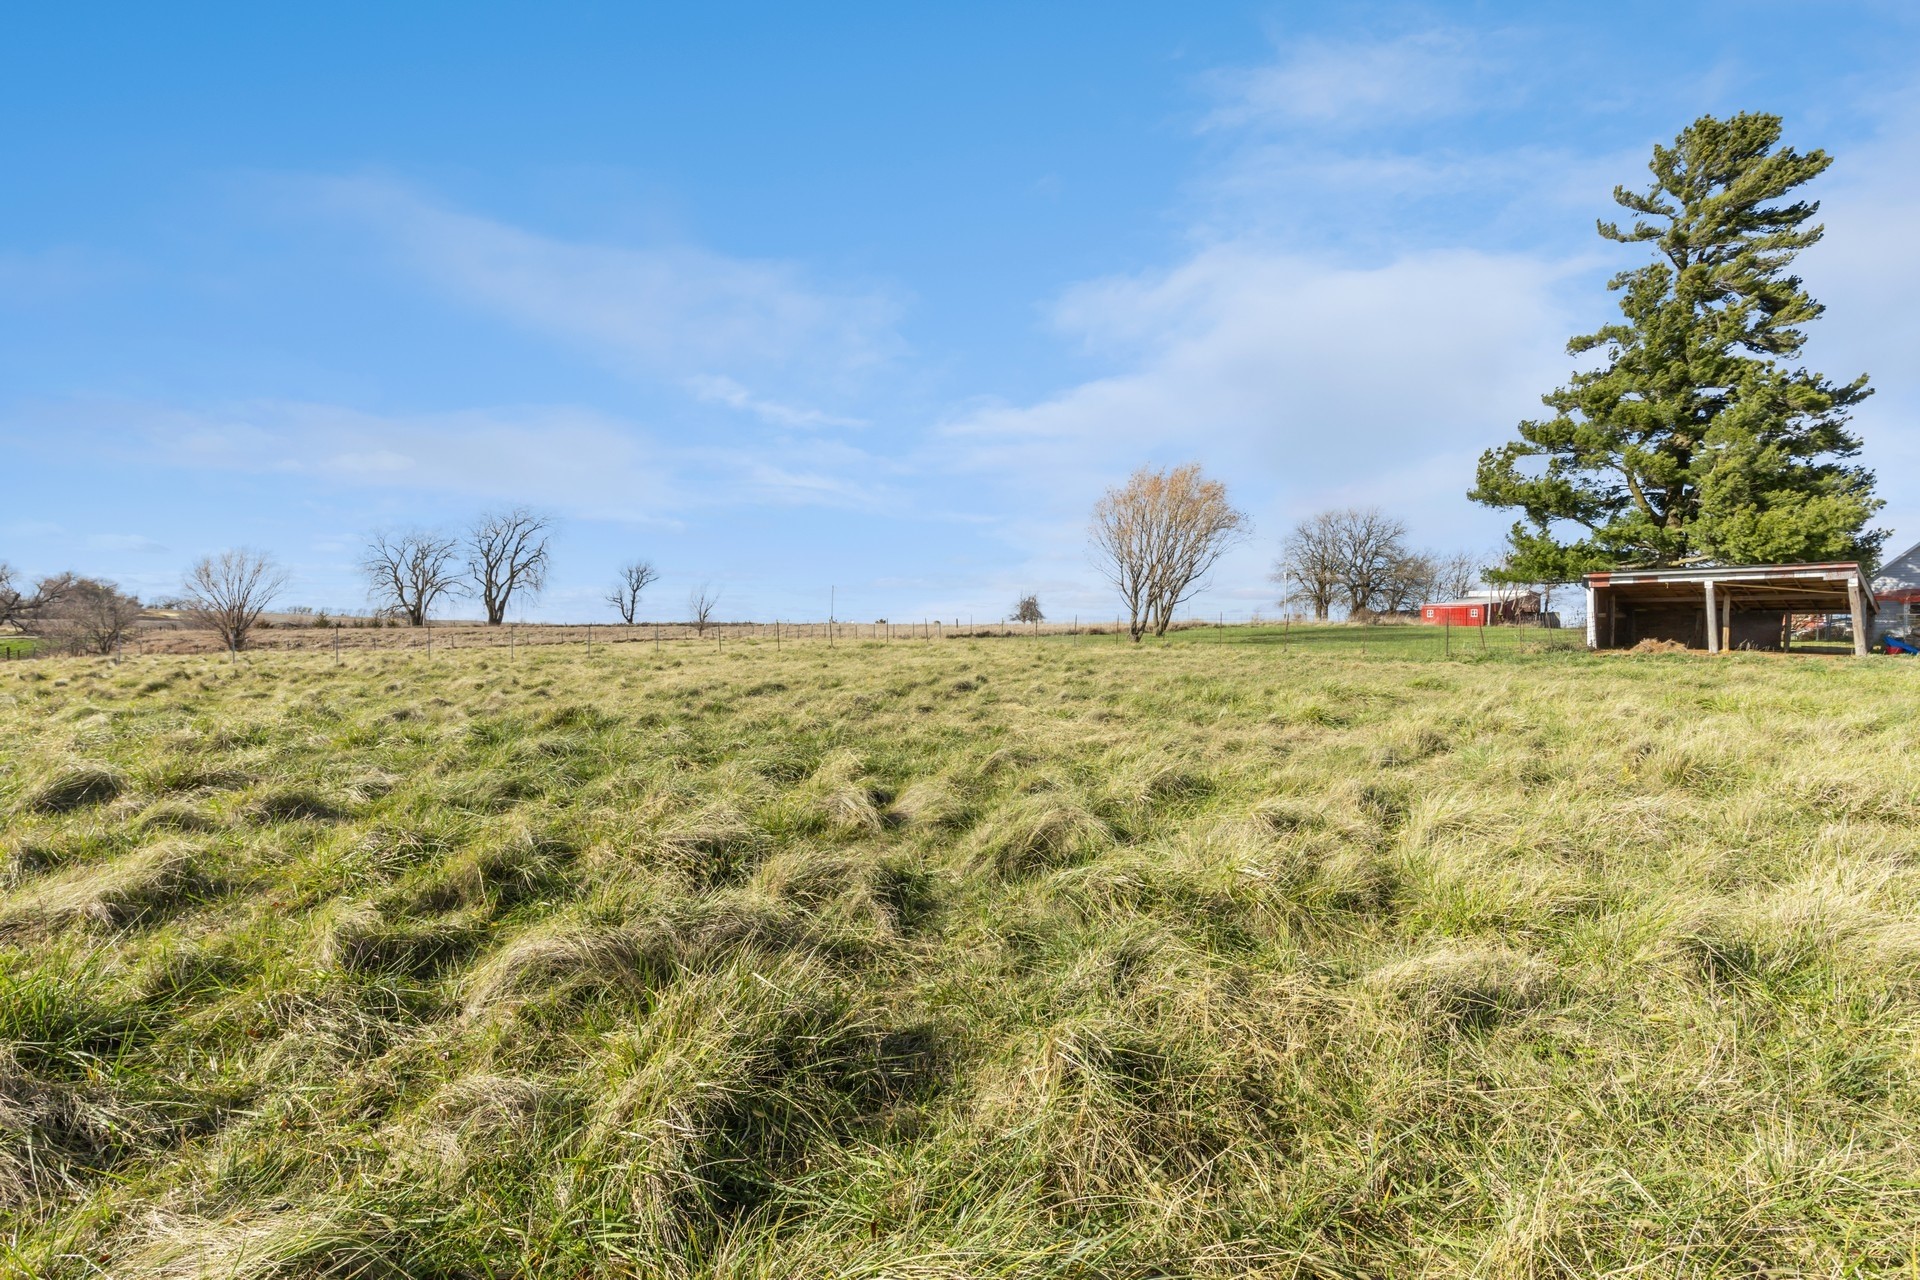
x=1699, y=439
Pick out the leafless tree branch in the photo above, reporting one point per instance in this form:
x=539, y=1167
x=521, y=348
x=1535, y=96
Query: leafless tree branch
x=407, y=573
x=507, y=556
x=700, y=605
x=625, y=596
x=227, y=593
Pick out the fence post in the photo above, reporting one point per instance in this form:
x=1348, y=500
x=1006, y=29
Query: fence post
x=589, y=639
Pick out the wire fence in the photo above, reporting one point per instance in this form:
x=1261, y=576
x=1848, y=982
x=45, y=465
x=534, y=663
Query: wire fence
x=1396, y=640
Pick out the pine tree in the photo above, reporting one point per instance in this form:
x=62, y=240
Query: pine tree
x=1699, y=439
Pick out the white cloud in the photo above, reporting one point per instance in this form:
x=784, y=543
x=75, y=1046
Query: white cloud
x=572, y=460
x=1357, y=83
x=1294, y=378
x=700, y=319
x=1867, y=272
x=714, y=389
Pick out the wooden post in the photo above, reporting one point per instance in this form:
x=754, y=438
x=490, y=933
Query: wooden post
x=1857, y=603
x=1713, y=618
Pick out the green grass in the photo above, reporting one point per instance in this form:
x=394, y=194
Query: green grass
x=1406, y=641
x=16, y=646
x=972, y=958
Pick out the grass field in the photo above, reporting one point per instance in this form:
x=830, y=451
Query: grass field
x=958, y=959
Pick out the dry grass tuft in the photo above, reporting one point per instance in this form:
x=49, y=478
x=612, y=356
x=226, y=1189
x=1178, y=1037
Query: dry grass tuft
x=849, y=804
x=360, y=939
x=553, y=961
x=75, y=786
x=336, y=1243
x=127, y=891
x=1458, y=987
x=1038, y=833
x=717, y=845
x=296, y=804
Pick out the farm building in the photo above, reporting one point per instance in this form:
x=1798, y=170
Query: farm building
x=1486, y=608
x=1896, y=590
x=1457, y=613
x=1729, y=607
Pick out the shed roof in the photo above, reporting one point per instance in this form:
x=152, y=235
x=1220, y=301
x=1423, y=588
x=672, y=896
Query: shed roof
x=1805, y=588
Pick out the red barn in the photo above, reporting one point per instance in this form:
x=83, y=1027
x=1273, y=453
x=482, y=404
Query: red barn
x=1458, y=613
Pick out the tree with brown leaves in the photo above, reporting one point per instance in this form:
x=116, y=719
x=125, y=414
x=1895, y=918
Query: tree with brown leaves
x=1157, y=537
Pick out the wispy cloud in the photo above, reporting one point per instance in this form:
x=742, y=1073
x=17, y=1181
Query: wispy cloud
x=715, y=389
x=577, y=461
x=1357, y=83
x=1306, y=374
x=710, y=322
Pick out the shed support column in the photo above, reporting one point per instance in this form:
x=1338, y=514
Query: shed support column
x=1593, y=617
x=1860, y=623
x=1713, y=619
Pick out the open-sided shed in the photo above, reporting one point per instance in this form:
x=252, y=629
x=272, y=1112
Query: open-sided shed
x=1728, y=607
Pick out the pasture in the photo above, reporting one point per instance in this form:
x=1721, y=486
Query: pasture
x=960, y=958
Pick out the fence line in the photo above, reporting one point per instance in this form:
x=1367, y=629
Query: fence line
x=1255, y=627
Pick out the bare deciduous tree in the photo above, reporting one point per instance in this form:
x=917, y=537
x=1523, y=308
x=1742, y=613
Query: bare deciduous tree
x=1157, y=538
x=1359, y=558
x=625, y=596
x=18, y=607
x=227, y=593
x=1457, y=575
x=507, y=556
x=1308, y=570
x=1028, y=610
x=1408, y=583
x=85, y=616
x=409, y=572
x=700, y=604
x=1372, y=549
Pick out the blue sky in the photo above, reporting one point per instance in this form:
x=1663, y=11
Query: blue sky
x=876, y=297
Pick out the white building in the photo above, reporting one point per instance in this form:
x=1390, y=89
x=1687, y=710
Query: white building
x=1896, y=587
